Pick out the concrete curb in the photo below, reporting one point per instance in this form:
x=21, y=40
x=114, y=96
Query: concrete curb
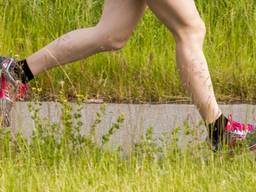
x=163, y=118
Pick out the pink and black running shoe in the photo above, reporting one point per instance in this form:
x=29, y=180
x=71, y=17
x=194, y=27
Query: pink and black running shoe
x=238, y=134
x=11, y=89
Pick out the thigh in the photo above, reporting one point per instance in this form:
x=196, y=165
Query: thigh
x=175, y=13
x=121, y=16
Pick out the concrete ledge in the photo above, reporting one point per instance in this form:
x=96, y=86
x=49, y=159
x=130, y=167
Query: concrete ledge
x=138, y=118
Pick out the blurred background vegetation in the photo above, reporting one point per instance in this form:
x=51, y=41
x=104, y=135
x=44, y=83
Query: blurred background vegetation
x=145, y=70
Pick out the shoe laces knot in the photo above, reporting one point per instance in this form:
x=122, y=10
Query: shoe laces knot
x=234, y=126
x=22, y=91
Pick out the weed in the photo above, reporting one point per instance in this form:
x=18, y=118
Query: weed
x=145, y=70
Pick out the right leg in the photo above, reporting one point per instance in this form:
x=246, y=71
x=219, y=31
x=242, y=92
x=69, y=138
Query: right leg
x=183, y=20
x=116, y=25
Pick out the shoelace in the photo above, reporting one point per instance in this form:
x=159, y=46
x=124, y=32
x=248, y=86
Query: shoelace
x=238, y=131
x=23, y=88
x=234, y=126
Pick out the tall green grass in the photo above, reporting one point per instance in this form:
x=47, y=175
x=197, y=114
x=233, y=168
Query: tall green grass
x=96, y=170
x=145, y=70
x=57, y=158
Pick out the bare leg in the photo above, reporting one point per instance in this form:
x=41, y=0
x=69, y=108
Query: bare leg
x=182, y=18
x=116, y=25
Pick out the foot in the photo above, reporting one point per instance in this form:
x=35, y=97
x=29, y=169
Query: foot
x=237, y=134
x=11, y=89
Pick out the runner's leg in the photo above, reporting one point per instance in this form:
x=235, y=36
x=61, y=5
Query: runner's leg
x=182, y=18
x=116, y=25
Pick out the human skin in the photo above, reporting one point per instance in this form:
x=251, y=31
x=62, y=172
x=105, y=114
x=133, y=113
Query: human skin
x=119, y=19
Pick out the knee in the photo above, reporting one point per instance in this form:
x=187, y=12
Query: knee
x=192, y=31
x=112, y=41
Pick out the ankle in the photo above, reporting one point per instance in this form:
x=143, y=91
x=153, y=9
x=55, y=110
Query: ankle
x=23, y=70
x=216, y=130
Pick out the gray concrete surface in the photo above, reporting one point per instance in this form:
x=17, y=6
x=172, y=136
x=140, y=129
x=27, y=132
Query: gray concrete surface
x=138, y=118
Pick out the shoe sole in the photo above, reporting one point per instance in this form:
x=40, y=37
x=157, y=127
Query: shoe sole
x=232, y=154
x=4, y=112
x=253, y=147
x=5, y=103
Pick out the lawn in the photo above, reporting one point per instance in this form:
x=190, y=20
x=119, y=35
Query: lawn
x=58, y=158
x=145, y=70
x=50, y=161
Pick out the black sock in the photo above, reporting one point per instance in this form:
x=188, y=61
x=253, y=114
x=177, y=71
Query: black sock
x=23, y=71
x=216, y=131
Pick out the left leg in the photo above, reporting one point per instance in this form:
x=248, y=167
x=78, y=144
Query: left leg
x=117, y=23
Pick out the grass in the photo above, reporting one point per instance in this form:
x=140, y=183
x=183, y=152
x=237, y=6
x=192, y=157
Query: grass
x=148, y=59
x=58, y=158
x=102, y=171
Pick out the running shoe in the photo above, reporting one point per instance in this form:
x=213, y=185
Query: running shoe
x=11, y=89
x=238, y=134
x=1, y=59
